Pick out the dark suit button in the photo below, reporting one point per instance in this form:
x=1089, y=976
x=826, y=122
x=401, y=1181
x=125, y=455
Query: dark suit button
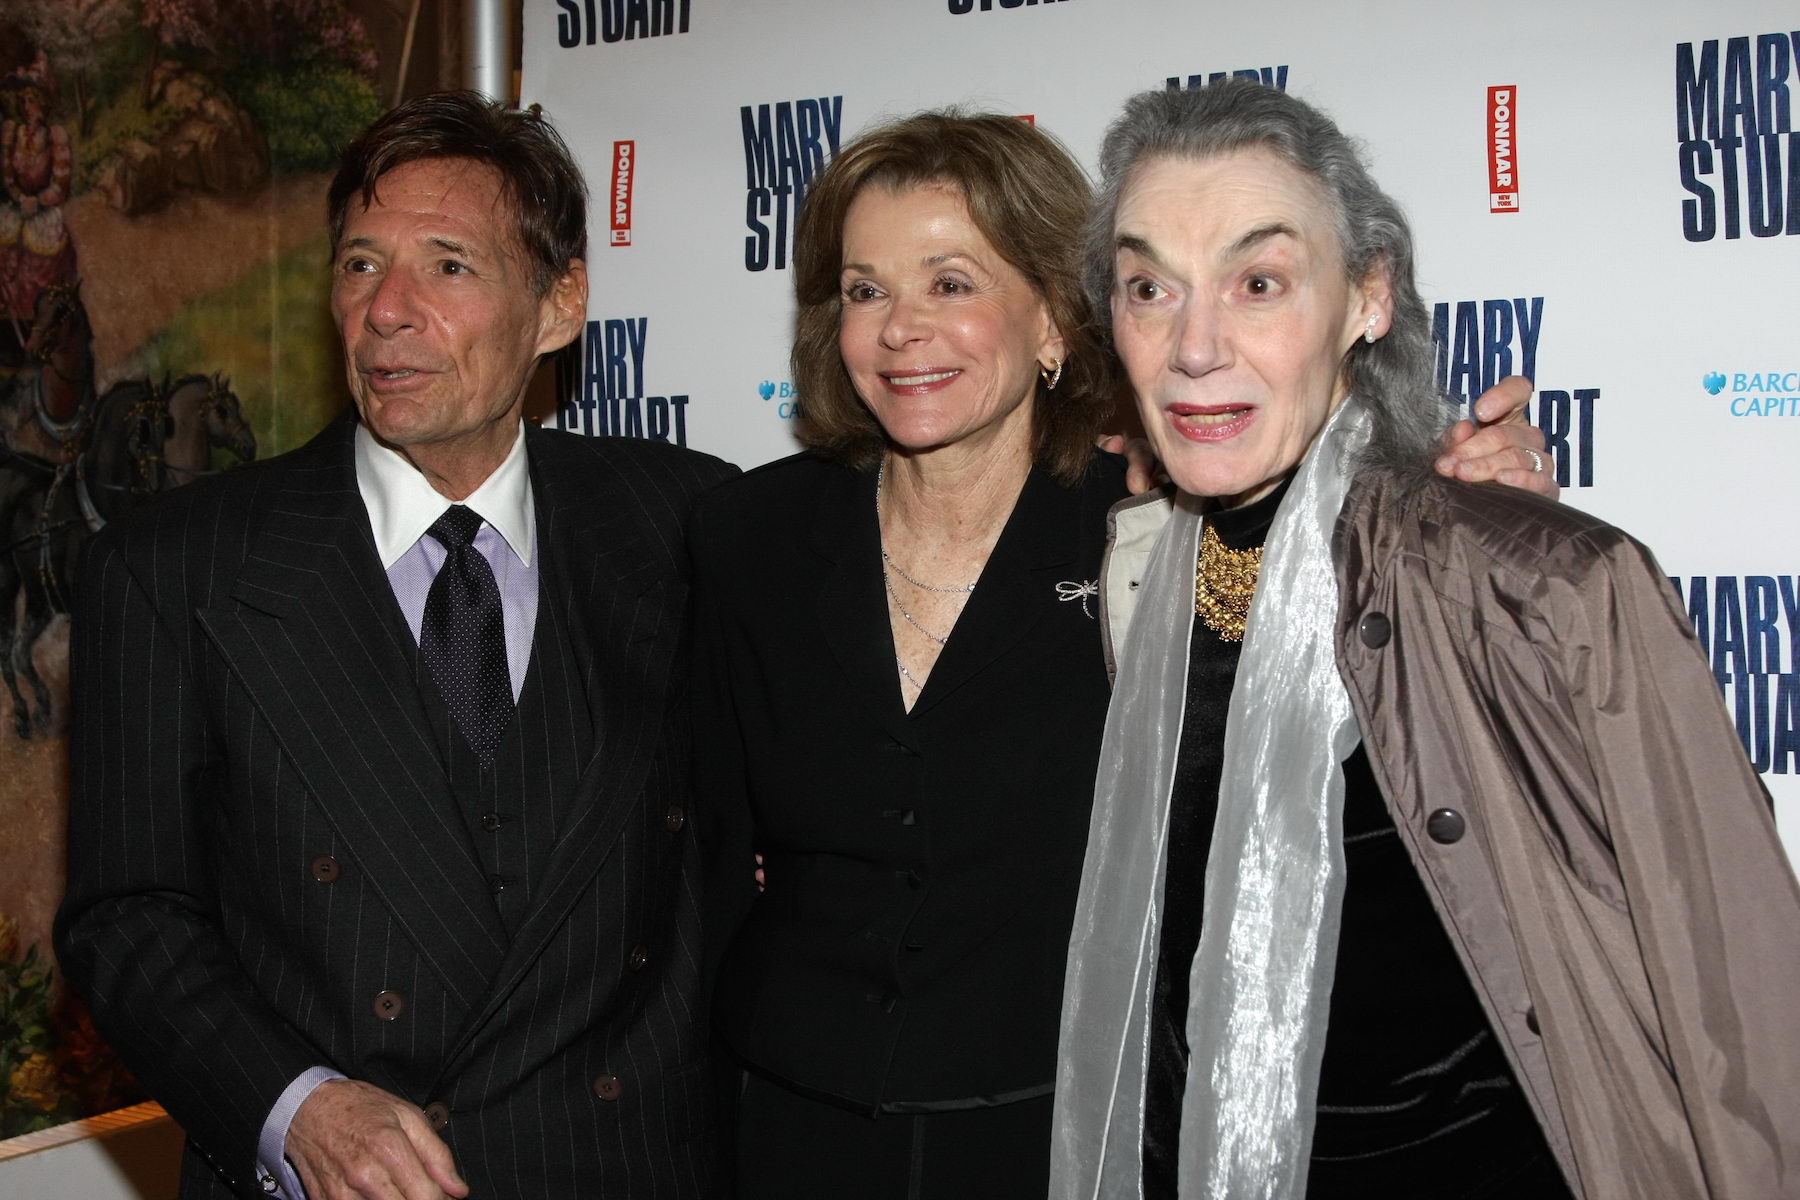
x=640, y=957
x=1446, y=826
x=1375, y=629
x=497, y=883
x=674, y=819
x=325, y=869
x=389, y=1005
x=491, y=821
x=438, y=1115
x=608, y=1087
x=1531, y=1021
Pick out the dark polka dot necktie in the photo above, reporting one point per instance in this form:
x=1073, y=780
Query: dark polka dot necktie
x=463, y=636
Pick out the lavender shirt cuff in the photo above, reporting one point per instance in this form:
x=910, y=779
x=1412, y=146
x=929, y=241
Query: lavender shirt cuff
x=273, y=1174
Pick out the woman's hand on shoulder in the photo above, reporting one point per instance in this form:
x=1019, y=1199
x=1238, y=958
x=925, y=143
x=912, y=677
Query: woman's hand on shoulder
x=1142, y=470
x=1502, y=447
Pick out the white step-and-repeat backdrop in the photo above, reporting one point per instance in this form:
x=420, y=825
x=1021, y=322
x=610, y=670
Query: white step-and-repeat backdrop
x=1606, y=198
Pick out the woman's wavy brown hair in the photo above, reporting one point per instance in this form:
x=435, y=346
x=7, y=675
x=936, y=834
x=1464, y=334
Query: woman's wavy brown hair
x=1029, y=199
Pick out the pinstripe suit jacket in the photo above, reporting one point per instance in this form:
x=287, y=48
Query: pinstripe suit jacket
x=245, y=704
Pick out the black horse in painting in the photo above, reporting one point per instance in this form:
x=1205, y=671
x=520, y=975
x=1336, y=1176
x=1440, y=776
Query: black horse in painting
x=120, y=456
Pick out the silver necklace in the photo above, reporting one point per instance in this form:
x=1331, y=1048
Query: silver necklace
x=907, y=675
x=910, y=620
x=886, y=561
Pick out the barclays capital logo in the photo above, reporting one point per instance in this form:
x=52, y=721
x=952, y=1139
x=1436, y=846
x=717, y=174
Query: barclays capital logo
x=788, y=405
x=1757, y=393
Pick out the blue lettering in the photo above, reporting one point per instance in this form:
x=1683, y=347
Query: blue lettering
x=1728, y=664
x=1785, y=746
x=1496, y=338
x=1737, y=110
x=1697, y=92
x=1773, y=113
x=1762, y=610
x=568, y=24
x=1699, y=221
x=1530, y=317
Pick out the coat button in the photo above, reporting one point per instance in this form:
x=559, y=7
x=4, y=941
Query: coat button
x=1446, y=826
x=640, y=957
x=1375, y=629
x=325, y=869
x=389, y=1005
x=491, y=821
x=608, y=1087
x=438, y=1114
x=497, y=883
x=674, y=819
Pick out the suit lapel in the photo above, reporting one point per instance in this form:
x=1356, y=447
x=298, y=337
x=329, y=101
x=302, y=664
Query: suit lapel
x=320, y=646
x=852, y=612
x=616, y=596
x=1016, y=591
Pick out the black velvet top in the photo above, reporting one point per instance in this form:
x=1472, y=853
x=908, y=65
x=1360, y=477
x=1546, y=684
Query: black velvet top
x=1415, y=1095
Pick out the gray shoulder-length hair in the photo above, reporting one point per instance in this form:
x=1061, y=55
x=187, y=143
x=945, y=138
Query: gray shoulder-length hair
x=1393, y=376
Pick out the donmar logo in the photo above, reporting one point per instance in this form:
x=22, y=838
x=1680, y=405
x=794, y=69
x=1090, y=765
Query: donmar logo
x=624, y=155
x=1736, y=148
x=1758, y=393
x=1503, y=149
x=785, y=145
x=600, y=386
x=1275, y=77
x=959, y=7
x=1476, y=344
x=1742, y=623
x=618, y=20
x=788, y=406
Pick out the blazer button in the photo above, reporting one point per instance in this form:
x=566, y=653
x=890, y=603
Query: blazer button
x=325, y=869
x=497, y=883
x=491, y=821
x=640, y=957
x=674, y=819
x=1446, y=826
x=608, y=1087
x=438, y=1114
x=1375, y=629
x=389, y=1005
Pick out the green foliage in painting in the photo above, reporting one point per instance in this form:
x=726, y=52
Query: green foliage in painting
x=309, y=110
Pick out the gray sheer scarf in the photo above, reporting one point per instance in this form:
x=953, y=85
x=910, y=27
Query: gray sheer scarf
x=1260, y=985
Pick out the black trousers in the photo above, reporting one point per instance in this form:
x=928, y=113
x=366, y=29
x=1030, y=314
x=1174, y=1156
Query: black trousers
x=790, y=1147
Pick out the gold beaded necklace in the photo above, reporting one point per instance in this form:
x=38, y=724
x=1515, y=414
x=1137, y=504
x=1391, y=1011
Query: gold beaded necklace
x=1224, y=584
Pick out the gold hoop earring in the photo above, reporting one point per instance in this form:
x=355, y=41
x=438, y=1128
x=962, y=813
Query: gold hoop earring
x=1045, y=373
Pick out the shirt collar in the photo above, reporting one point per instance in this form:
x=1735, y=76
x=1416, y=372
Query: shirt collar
x=402, y=505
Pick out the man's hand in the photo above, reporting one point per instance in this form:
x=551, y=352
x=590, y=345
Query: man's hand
x=1502, y=446
x=352, y=1141
x=1142, y=470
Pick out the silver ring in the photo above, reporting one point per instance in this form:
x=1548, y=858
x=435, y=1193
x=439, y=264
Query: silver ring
x=1537, y=460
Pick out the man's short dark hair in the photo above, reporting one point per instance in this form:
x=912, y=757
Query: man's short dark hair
x=538, y=176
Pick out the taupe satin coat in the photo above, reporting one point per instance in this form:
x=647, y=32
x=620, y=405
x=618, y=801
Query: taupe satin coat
x=1618, y=894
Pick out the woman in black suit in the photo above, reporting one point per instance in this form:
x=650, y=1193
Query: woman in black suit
x=920, y=801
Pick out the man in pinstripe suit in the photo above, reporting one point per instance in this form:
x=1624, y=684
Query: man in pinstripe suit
x=357, y=941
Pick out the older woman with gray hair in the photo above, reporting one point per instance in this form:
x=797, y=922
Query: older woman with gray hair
x=1469, y=890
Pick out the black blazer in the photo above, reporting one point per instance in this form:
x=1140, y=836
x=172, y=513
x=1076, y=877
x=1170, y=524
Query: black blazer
x=922, y=867
x=264, y=853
